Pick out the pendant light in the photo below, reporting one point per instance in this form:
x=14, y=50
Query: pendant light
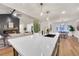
x=41, y=4
x=47, y=18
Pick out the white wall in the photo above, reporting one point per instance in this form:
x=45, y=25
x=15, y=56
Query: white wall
x=29, y=27
x=24, y=19
x=21, y=27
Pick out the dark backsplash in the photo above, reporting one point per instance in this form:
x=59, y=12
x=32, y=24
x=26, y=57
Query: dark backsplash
x=3, y=21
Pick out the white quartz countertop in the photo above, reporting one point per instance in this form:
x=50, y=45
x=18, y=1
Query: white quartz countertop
x=34, y=45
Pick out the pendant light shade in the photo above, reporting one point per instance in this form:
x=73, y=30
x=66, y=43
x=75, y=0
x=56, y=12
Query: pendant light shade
x=47, y=18
x=41, y=4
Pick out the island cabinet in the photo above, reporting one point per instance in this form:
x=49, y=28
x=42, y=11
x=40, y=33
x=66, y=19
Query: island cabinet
x=56, y=49
x=33, y=45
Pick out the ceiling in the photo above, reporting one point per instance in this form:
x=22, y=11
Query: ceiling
x=57, y=11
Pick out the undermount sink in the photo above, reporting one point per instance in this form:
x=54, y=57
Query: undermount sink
x=50, y=35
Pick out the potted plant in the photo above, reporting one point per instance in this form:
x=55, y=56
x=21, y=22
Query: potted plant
x=71, y=29
x=36, y=26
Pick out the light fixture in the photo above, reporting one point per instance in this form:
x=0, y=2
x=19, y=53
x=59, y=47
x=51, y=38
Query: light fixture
x=13, y=11
x=62, y=15
x=15, y=14
x=47, y=18
x=63, y=12
x=41, y=14
x=78, y=8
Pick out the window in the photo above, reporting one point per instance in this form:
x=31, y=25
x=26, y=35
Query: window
x=62, y=28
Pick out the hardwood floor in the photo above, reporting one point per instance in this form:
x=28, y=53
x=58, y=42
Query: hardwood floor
x=8, y=51
x=67, y=47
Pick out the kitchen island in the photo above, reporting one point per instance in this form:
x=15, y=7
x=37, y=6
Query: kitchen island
x=34, y=45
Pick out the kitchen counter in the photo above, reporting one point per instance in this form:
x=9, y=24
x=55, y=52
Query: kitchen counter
x=34, y=45
x=14, y=35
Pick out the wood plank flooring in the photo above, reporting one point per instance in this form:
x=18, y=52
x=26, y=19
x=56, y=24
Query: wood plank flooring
x=7, y=51
x=69, y=47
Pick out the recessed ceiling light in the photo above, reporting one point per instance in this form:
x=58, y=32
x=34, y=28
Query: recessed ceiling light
x=47, y=18
x=41, y=14
x=78, y=8
x=63, y=12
